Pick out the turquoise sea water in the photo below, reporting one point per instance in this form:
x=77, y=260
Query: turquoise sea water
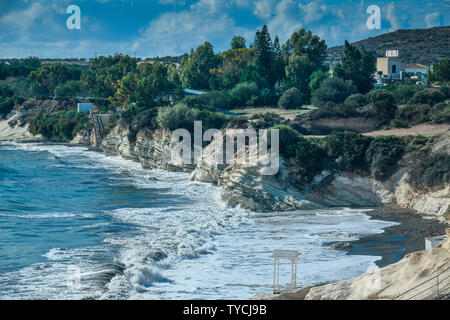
x=149, y=234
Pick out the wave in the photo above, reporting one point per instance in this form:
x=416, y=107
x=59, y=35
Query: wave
x=46, y=216
x=190, y=244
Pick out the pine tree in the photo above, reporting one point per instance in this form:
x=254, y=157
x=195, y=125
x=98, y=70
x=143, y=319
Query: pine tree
x=358, y=65
x=278, y=61
x=264, y=55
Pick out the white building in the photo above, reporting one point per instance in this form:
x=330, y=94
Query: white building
x=417, y=69
x=389, y=66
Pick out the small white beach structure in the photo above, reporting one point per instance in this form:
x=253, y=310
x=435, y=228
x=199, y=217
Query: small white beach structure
x=433, y=242
x=290, y=255
x=85, y=107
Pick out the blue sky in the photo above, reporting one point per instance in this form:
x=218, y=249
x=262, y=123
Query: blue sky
x=171, y=27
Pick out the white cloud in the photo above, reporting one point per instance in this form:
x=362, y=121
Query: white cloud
x=391, y=16
x=177, y=32
x=435, y=19
x=264, y=8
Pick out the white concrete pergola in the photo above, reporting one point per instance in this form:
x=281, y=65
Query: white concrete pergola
x=290, y=255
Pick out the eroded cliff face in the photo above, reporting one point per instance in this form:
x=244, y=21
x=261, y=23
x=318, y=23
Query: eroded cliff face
x=390, y=281
x=13, y=129
x=153, y=149
x=245, y=186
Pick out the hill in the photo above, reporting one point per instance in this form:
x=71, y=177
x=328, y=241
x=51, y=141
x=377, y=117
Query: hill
x=424, y=46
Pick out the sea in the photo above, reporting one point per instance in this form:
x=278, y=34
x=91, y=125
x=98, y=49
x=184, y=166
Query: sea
x=76, y=224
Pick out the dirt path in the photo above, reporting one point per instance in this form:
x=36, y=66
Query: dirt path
x=420, y=130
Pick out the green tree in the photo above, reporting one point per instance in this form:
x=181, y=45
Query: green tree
x=238, y=42
x=303, y=53
x=291, y=99
x=234, y=64
x=298, y=72
x=152, y=79
x=427, y=96
x=69, y=89
x=305, y=43
x=48, y=77
x=316, y=79
x=244, y=94
x=265, y=55
x=278, y=68
x=104, y=72
x=359, y=66
x=332, y=90
x=3, y=71
x=442, y=70
x=196, y=70
x=383, y=103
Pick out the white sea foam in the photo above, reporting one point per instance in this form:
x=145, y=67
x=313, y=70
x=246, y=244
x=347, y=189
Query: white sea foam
x=194, y=248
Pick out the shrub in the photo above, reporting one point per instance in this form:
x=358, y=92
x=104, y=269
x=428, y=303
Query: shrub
x=421, y=113
x=316, y=79
x=210, y=100
x=403, y=92
x=383, y=104
x=238, y=123
x=182, y=117
x=411, y=115
x=64, y=124
x=349, y=149
x=332, y=90
x=309, y=161
x=268, y=97
x=427, y=96
x=291, y=99
x=382, y=155
x=356, y=101
x=445, y=91
x=306, y=159
x=440, y=113
x=442, y=69
x=144, y=119
x=244, y=94
x=69, y=89
x=430, y=170
x=5, y=90
x=6, y=106
x=288, y=140
x=6, y=99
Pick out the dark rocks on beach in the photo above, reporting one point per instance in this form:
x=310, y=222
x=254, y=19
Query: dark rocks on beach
x=341, y=246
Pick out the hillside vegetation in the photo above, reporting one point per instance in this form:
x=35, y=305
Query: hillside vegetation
x=424, y=46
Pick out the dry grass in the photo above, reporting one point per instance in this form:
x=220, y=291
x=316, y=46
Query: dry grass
x=286, y=114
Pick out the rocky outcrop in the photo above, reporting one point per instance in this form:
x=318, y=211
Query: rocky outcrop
x=153, y=149
x=244, y=185
x=83, y=138
x=13, y=129
x=352, y=190
x=116, y=143
x=209, y=168
x=435, y=203
x=390, y=281
x=385, y=283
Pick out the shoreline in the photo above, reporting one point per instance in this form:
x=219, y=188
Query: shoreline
x=391, y=245
x=398, y=240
